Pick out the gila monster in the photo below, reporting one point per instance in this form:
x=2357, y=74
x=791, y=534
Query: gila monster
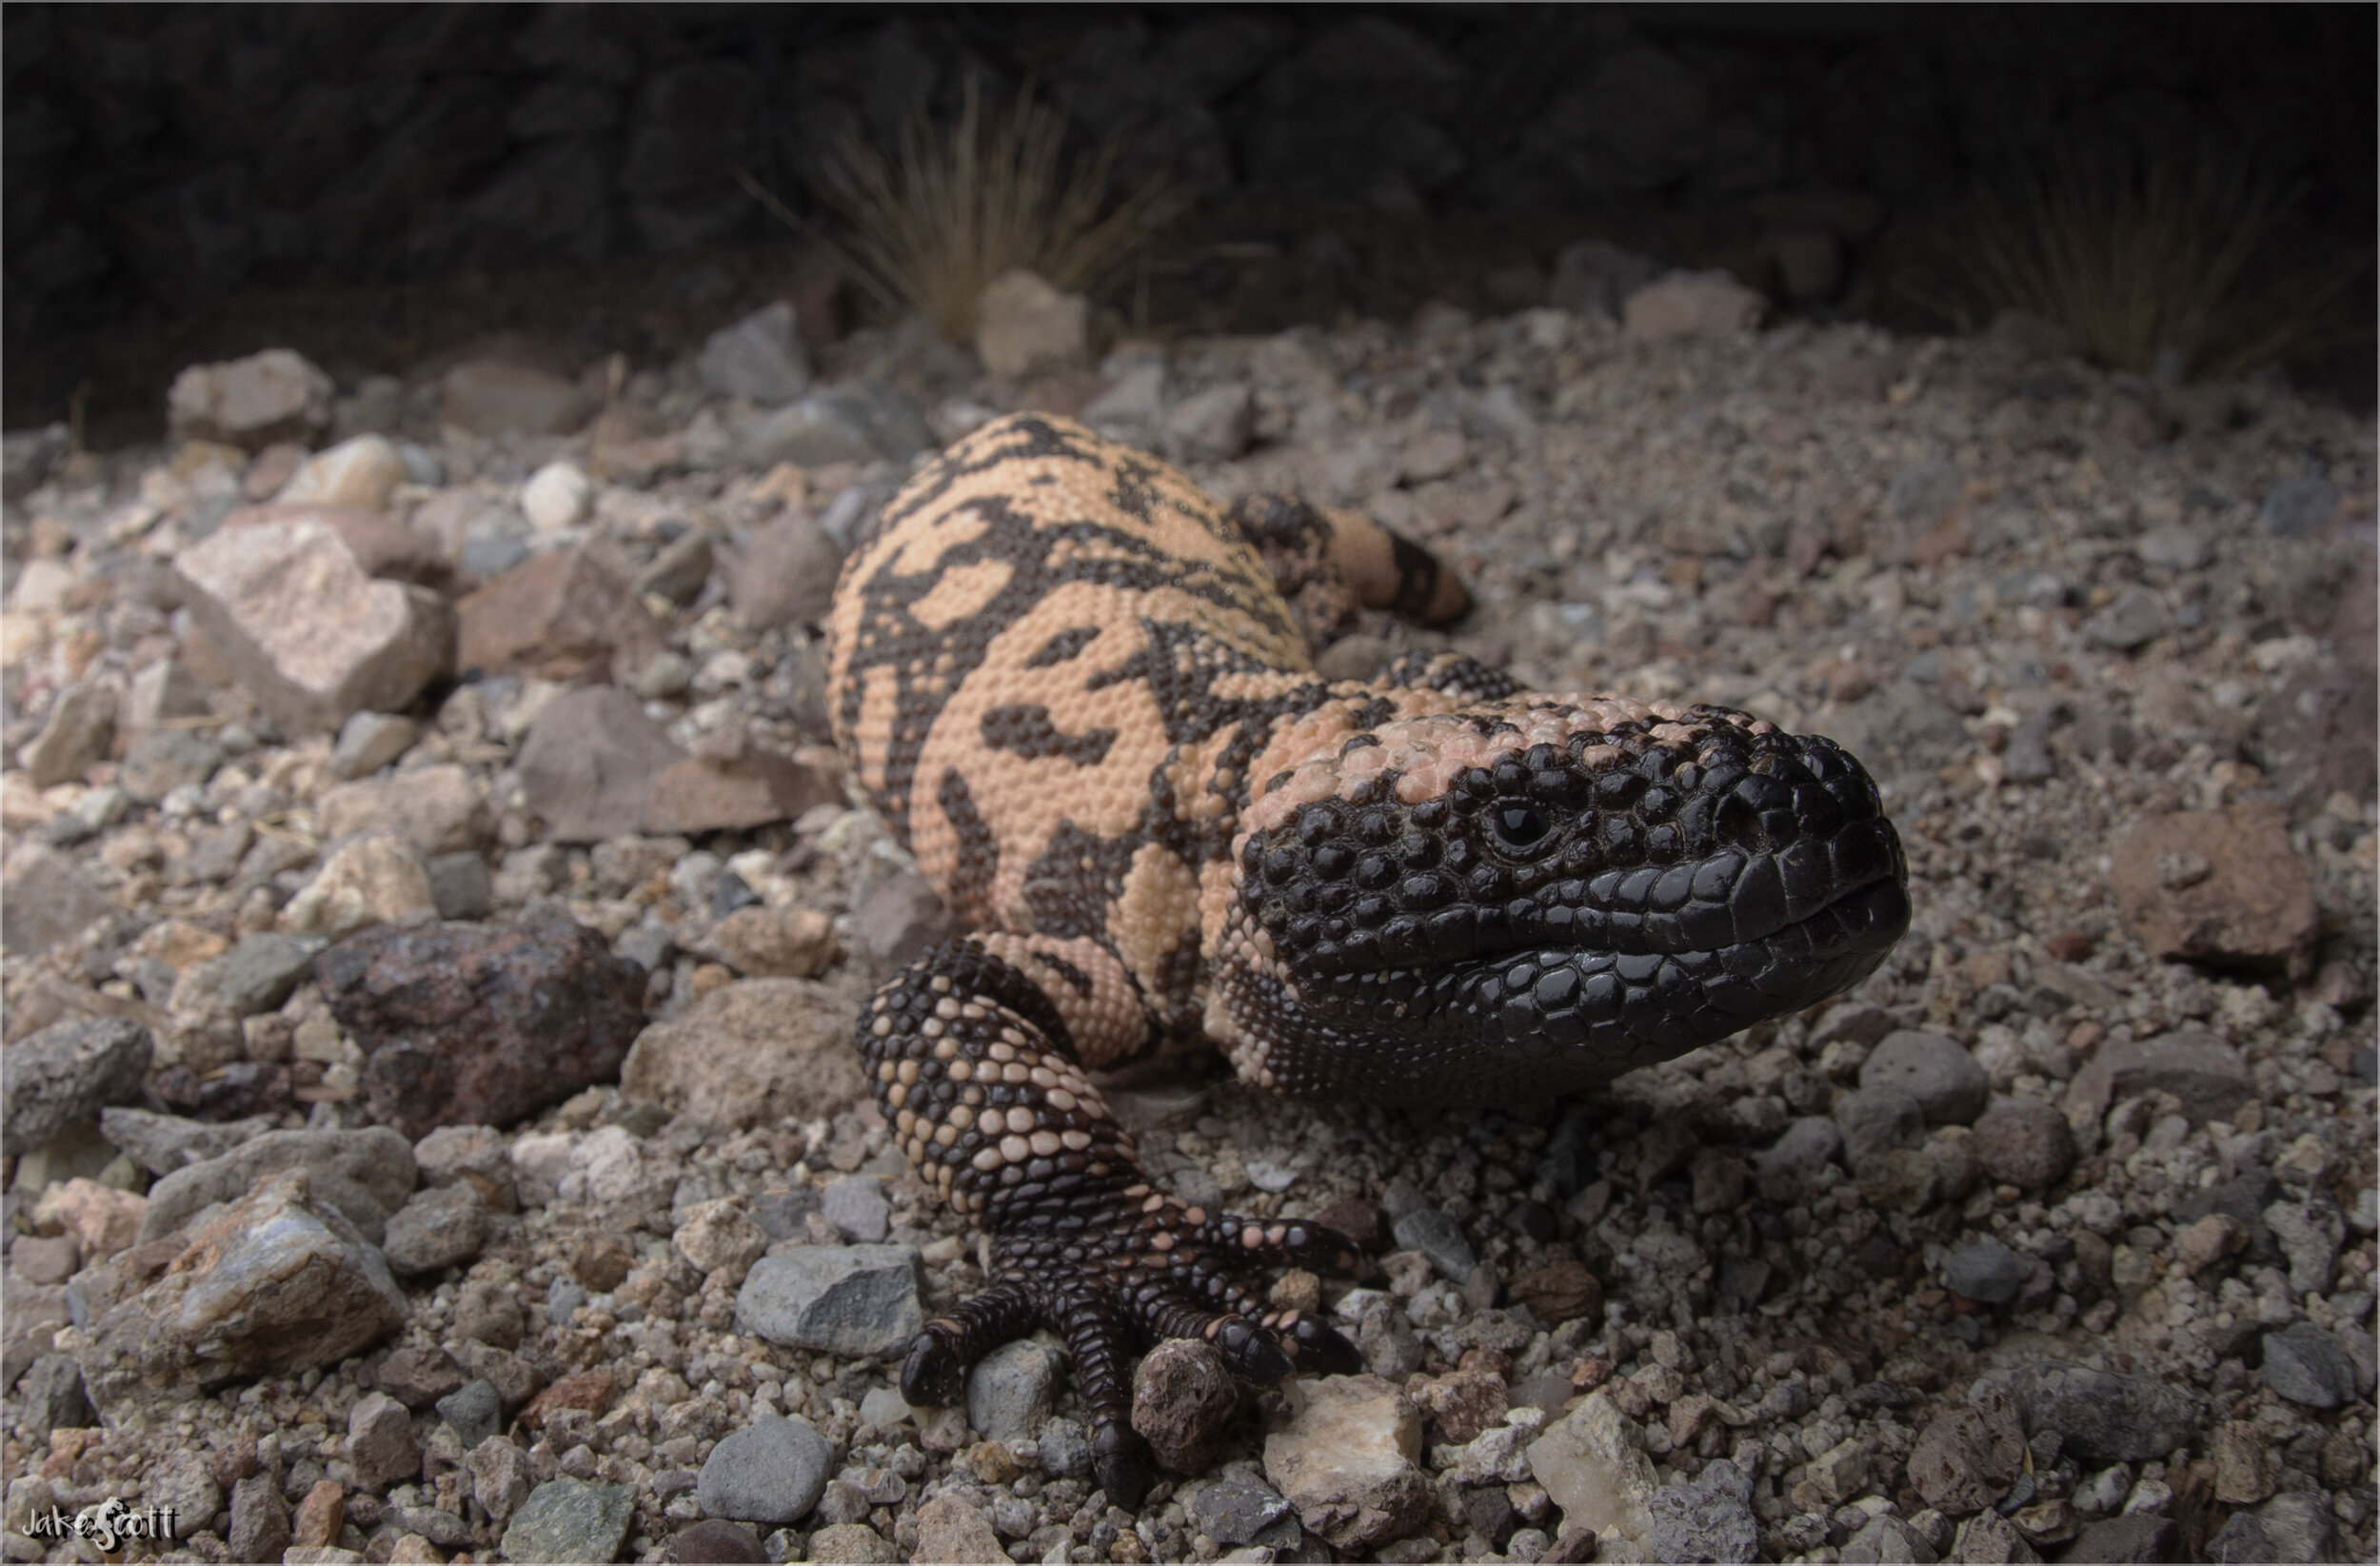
x=1080, y=692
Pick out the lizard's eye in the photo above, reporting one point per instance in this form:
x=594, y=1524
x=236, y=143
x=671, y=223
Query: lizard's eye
x=1519, y=825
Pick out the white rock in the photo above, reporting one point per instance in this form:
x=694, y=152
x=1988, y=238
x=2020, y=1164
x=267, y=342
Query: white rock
x=1026, y=328
x=361, y=472
x=1346, y=1459
x=1593, y=1465
x=556, y=497
x=377, y=880
x=275, y=395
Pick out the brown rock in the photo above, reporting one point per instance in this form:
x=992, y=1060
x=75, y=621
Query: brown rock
x=1692, y=305
x=788, y=574
x=473, y=1025
x=495, y=397
x=2025, y=1142
x=418, y=1377
x=601, y=1262
x=306, y=631
x=750, y=1053
x=1459, y=1404
x=102, y=1219
x=250, y=403
x=44, y=900
x=2206, y=1074
x=1968, y=1458
x=715, y=1540
x=949, y=1529
x=765, y=942
x=589, y=761
x=2316, y=733
x=1182, y=1396
x=39, y=1258
x=1558, y=1292
x=2220, y=886
x=1025, y=326
x=438, y=809
x=362, y=471
x=590, y=1391
x=1360, y=1219
x=558, y=616
x=384, y=547
x=320, y=1516
x=82, y=721
x=732, y=793
x=1991, y=1540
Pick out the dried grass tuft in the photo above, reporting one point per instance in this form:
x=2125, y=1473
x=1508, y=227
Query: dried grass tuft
x=2150, y=267
x=933, y=225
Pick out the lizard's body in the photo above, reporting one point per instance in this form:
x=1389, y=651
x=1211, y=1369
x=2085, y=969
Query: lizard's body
x=1076, y=689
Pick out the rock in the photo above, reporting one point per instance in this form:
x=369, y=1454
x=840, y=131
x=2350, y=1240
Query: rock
x=44, y=900
x=2025, y=1142
x=2316, y=733
x=383, y=544
x=1010, y=1389
x=362, y=1176
x=721, y=1235
x=1785, y=1170
x=82, y=722
x=1435, y=1235
x=1459, y=1404
x=1902, y=1179
x=2214, y=1237
x=2305, y=1364
x=856, y=1205
x=589, y=764
x=2299, y=506
x=571, y=1519
x=439, y=809
x=460, y=886
x=749, y=1054
x=1182, y=1396
x=759, y=359
x=438, y=1228
x=1875, y=1119
x=786, y=575
x=851, y=1544
x=559, y=616
x=260, y=972
x=380, y=1442
x=68, y=1073
x=859, y=421
x=303, y=627
x=321, y=1514
x=949, y=1529
x=713, y=1541
x=677, y=573
x=371, y=881
x=474, y=1411
x=103, y=1220
x=259, y=1519
x=2105, y=1417
x=1345, y=1459
x=370, y=741
x=1593, y=1464
x=273, y=1284
x=899, y=921
x=2221, y=886
x=1968, y=1457
x=1889, y=1539
x=1993, y=1540
x=418, y=1377
x=1709, y=1518
x=1024, y=328
x=250, y=403
x=1692, y=305
x=2243, y=1469
x=1558, y=1292
x=492, y=397
x=1595, y=277
x=736, y=792
x=360, y=472
x=856, y=1300
x=50, y=1396
x=45, y=1258
x=160, y=760
x=1988, y=1273
x=1937, y=1072
x=2135, y=616
x=557, y=496
x=500, y=1477
x=2194, y=1065
x=1214, y=426
x=773, y=942
x=465, y=1024
x=772, y=1471
x=1242, y=1509
x=2309, y=1235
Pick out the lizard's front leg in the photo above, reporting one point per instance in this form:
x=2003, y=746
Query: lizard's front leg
x=976, y=1052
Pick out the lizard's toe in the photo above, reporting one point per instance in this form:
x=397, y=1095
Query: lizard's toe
x=1320, y=1348
x=935, y=1374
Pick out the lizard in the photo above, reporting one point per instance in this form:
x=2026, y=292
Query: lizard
x=1080, y=691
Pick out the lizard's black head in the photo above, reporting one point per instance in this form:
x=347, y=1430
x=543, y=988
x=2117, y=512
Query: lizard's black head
x=1540, y=892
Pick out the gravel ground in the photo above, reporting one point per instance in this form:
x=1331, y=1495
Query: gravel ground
x=2055, y=1239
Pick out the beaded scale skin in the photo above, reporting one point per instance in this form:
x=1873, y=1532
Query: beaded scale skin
x=1081, y=693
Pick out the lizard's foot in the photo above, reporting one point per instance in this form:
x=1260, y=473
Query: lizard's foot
x=1117, y=1270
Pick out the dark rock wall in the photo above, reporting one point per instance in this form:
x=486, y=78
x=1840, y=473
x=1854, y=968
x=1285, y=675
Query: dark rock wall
x=160, y=157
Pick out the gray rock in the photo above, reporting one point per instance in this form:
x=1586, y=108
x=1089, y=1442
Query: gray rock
x=2192, y=1064
x=856, y=422
x=1240, y=1508
x=1435, y=1235
x=67, y=1073
x=571, y=1519
x=82, y=721
x=44, y=902
x=772, y=1471
x=2308, y=1366
x=380, y=1441
x=856, y=1205
x=1876, y=1120
x=2103, y=1417
x=460, y=886
x=259, y=973
x=759, y=359
x=845, y=1300
x=2025, y=1142
x=784, y=1215
x=477, y=1156
x=259, y=1519
x=2296, y=507
x=162, y=1144
x=1786, y=1168
x=162, y=759
x=370, y=741
x=1888, y=1538
x=899, y=921
x=677, y=573
x=1989, y=1273
x=1901, y=728
x=364, y=1175
x=786, y=574
x=2292, y=1526
x=2135, y=616
x=1065, y=1448
x=438, y=1228
x=2309, y=1234
x=500, y=1477
x=2172, y=547
x=1010, y=1389
x=1709, y=1518
x=1920, y=493
x=1939, y=1073
x=473, y=1410
x=52, y=1397
x=1211, y=426
x=2140, y=1537
x=589, y=764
